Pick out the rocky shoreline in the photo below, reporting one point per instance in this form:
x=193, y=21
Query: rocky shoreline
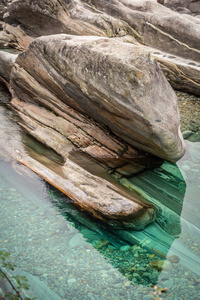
x=96, y=87
x=189, y=107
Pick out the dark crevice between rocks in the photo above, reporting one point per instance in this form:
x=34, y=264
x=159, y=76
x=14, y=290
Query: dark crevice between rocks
x=5, y=94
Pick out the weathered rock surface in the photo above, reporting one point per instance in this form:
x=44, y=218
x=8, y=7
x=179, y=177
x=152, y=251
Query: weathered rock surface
x=158, y=26
x=148, y=21
x=6, y=63
x=61, y=79
x=94, y=195
x=152, y=23
x=126, y=91
x=13, y=37
x=101, y=198
x=3, y=4
x=182, y=74
x=72, y=17
x=191, y=6
x=70, y=132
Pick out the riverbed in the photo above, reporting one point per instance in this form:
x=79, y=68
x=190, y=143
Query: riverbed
x=65, y=254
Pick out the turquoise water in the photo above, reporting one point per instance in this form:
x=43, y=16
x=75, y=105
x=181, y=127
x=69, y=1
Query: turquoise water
x=67, y=255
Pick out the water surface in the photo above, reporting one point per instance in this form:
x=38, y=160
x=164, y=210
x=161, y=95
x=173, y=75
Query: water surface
x=65, y=254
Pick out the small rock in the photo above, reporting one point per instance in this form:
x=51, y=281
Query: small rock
x=77, y=240
x=136, y=254
x=160, y=264
x=185, y=168
x=143, y=251
x=195, y=137
x=125, y=248
x=146, y=275
x=154, y=276
x=102, y=243
x=164, y=275
x=135, y=275
x=195, y=170
x=186, y=133
x=71, y=281
x=157, y=264
x=183, y=280
x=127, y=283
x=147, y=297
x=133, y=248
x=168, y=283
x=104, y=275
x=141, y=269
x=174, y=258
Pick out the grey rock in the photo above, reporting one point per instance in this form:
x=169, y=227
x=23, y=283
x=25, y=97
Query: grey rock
x=168, y=283
x=194, y=137
x=77, y=240
x=191, y=5
x=185, y=168
x=146, y=275
x=141, y=269
x=186, y=133
x=124, y=92
x=6, y=62
x=125, y=248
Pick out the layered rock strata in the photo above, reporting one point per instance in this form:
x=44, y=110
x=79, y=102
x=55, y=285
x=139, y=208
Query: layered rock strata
x=98, y=94
x=184, y=6
x=13, y=37
x=149, y=22
x=94, y=195
x=124, y=91
x=101, y=198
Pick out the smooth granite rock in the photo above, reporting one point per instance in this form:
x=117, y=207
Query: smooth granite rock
x=150, y=22
x=126, y=90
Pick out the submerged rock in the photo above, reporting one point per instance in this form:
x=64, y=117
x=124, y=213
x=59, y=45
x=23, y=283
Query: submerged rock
x=125, y=91
x=174, y=258
x=160, y=265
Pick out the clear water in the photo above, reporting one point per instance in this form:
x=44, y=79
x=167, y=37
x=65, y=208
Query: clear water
x=67, y=255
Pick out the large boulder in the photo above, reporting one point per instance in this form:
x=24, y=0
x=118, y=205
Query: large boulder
x=149, y=22
x=125, y=90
